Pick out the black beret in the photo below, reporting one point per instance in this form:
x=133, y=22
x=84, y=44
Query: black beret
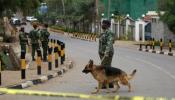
x=107, y=22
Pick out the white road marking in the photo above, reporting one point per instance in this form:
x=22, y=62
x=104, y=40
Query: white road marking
x=155, y=66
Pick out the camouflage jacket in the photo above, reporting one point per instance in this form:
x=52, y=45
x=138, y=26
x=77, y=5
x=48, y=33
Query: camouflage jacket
x=106, y=41
x=44, y=35
x=23, y=38
x=34, y=35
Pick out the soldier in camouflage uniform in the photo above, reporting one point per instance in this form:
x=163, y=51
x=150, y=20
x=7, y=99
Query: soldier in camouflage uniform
x=23, y=39
x=44, y=36
x=34, y=36
x=106, y=50
x=106, y=40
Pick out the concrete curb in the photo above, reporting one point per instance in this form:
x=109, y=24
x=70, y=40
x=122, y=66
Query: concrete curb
x=84, y=37
x=158, y=52
x=43, y=79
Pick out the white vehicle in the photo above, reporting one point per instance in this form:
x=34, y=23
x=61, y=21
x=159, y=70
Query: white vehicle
x=15, y=21
x=31, y=18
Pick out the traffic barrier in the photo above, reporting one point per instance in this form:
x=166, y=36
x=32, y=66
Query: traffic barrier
x=153, y=45
x=77, y=95
x=0, y=71
x=62, y=53
x=41, y=79
x=23, y=65
x=84, y=36
x=38, y=62
x=161, y=46
x=59, y=48
x=56, y=55
x=170, y=48
x=153, y=50
x=50, y=59
x=51, y=44
x=140, y=44
x=146, y=47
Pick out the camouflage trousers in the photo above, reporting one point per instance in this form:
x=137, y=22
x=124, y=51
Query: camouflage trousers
x=35, y=46
x=45, y=49
x=23, y=47
x=106, y=60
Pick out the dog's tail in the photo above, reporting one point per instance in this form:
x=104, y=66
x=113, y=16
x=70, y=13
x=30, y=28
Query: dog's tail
x=132, y=74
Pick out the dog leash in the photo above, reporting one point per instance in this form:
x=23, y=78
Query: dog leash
x=102, y=59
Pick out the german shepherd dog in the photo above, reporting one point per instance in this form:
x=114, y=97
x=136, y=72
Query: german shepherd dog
x=108, y=74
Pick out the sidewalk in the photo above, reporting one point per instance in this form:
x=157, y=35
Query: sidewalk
x=12, y=78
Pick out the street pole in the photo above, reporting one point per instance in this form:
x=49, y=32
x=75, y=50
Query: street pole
x=63, y=7
x=96, y=15
x=96, y=6
x=109, y=5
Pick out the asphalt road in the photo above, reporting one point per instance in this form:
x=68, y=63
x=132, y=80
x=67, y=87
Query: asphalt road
x=155, y=75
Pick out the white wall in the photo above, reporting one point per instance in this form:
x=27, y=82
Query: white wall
x=137, y=34
x=112, y=23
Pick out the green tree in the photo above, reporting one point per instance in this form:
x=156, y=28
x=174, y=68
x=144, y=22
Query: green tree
x=169, y=16
x=75, y=14
x=7, y=5
x=28, y=6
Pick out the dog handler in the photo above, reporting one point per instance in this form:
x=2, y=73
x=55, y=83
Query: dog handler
x=106, y=41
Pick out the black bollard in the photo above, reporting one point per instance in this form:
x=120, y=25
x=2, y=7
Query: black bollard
x=0, y=72
x=62, y=53
x=153, y=45
x=38, y=61
x=23, y=65
x=170, y=48
x=51, y=44
x=56, y=56
x=59, y=48
x=140, y=49
x=161, y=46
x=146, y=47
x=64, y=56
x=50, y=59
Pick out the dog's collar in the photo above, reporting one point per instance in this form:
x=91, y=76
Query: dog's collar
x=87, y=71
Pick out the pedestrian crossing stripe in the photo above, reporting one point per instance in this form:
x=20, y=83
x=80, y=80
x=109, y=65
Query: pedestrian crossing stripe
x=75, y=95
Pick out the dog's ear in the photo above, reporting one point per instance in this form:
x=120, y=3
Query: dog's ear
x=91, y=62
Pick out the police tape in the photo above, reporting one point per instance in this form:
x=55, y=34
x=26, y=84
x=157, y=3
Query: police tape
x=75, y=95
